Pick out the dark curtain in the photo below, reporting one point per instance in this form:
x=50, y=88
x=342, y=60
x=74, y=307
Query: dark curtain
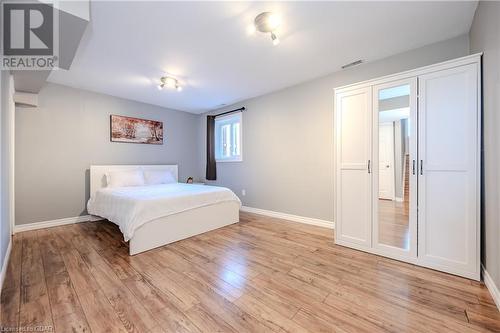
x=211, y=165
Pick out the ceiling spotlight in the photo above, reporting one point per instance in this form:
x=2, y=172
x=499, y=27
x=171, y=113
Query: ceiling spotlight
x=268, y=22
x=169, y=82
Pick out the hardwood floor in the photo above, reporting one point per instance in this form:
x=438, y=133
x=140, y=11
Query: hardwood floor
x=394, y=223
x=259, y=275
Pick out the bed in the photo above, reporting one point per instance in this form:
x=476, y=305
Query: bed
x=150, y=216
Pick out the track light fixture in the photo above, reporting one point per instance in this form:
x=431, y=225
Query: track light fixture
x=267, y=22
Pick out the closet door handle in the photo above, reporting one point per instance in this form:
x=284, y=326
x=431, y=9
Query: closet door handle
x=369, y=166
x=413, y=167
x=421, y=167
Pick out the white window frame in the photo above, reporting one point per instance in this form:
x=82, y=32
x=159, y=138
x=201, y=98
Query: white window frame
x=238, y=158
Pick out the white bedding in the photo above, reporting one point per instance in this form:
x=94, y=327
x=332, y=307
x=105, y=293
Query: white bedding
x=131, y=207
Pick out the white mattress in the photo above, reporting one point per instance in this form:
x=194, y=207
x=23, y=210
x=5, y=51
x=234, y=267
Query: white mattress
x=132, y=207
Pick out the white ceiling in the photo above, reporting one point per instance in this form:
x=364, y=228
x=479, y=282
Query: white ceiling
x=129, y=45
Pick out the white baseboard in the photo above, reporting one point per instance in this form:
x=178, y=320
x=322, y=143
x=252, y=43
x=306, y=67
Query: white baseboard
x=290, y=217
x=53, y=223
x=5, y=264
x=492, y=287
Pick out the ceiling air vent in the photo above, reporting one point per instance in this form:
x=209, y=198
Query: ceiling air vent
x=354, y=63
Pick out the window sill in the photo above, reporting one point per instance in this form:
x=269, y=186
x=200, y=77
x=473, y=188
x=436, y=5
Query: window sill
x=227, y=161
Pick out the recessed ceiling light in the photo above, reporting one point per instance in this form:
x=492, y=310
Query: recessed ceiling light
x=169, y=82
x=267, y=22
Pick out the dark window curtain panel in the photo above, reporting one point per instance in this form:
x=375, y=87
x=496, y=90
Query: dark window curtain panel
x=211, y=165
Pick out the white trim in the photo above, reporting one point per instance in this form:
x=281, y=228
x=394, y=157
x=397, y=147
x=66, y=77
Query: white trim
x=5, y=264
x=228, y=160
x=53, y=223
x=290, y=217
x=492, y=287
x=397, y=199
x=11, y=154
x=26, y=99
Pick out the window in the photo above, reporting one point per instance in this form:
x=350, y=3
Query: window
x=228, y=138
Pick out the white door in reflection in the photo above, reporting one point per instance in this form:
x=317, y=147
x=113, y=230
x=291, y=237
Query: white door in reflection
x=386, y=161
x=394, y=108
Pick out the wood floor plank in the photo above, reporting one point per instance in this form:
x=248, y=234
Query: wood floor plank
x=100, y=314
x=315, y=306
x=267, y=315
x=148, y=294
x=129, y=309
x=75, y=322
x=9, y=311
x=35, y=309
x=164, y=280
x=484, y=321
x=13, y=273
x=207, y=321
x=319, y=325
x=173, y=320
x=10, y=299
x=62, y=296
x=133, y=315
x=260, y=275
x=277, y=303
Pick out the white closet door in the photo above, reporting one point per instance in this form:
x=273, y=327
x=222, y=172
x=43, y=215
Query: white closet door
x=448, y=196
x=353, y=178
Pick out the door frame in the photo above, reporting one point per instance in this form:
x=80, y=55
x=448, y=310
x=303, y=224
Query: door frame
x=392, y=186
x=409, y=255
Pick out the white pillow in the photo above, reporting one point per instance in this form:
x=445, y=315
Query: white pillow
x=155, y=177
x=125, y=178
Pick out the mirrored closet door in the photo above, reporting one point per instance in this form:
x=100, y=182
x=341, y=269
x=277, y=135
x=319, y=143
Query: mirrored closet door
x=394, y=159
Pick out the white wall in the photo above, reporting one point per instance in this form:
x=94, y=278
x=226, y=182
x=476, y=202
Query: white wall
x=485, y=37
x=4, y=240
x=6, y=157
x=288, y=136
x=57, y=142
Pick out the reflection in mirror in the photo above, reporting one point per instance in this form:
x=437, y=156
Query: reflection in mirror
x=394, y=166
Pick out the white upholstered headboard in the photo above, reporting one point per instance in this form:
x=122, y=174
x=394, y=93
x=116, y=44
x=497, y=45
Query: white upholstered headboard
x=98, y=173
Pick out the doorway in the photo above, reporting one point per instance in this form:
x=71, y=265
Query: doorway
x=386, y=187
